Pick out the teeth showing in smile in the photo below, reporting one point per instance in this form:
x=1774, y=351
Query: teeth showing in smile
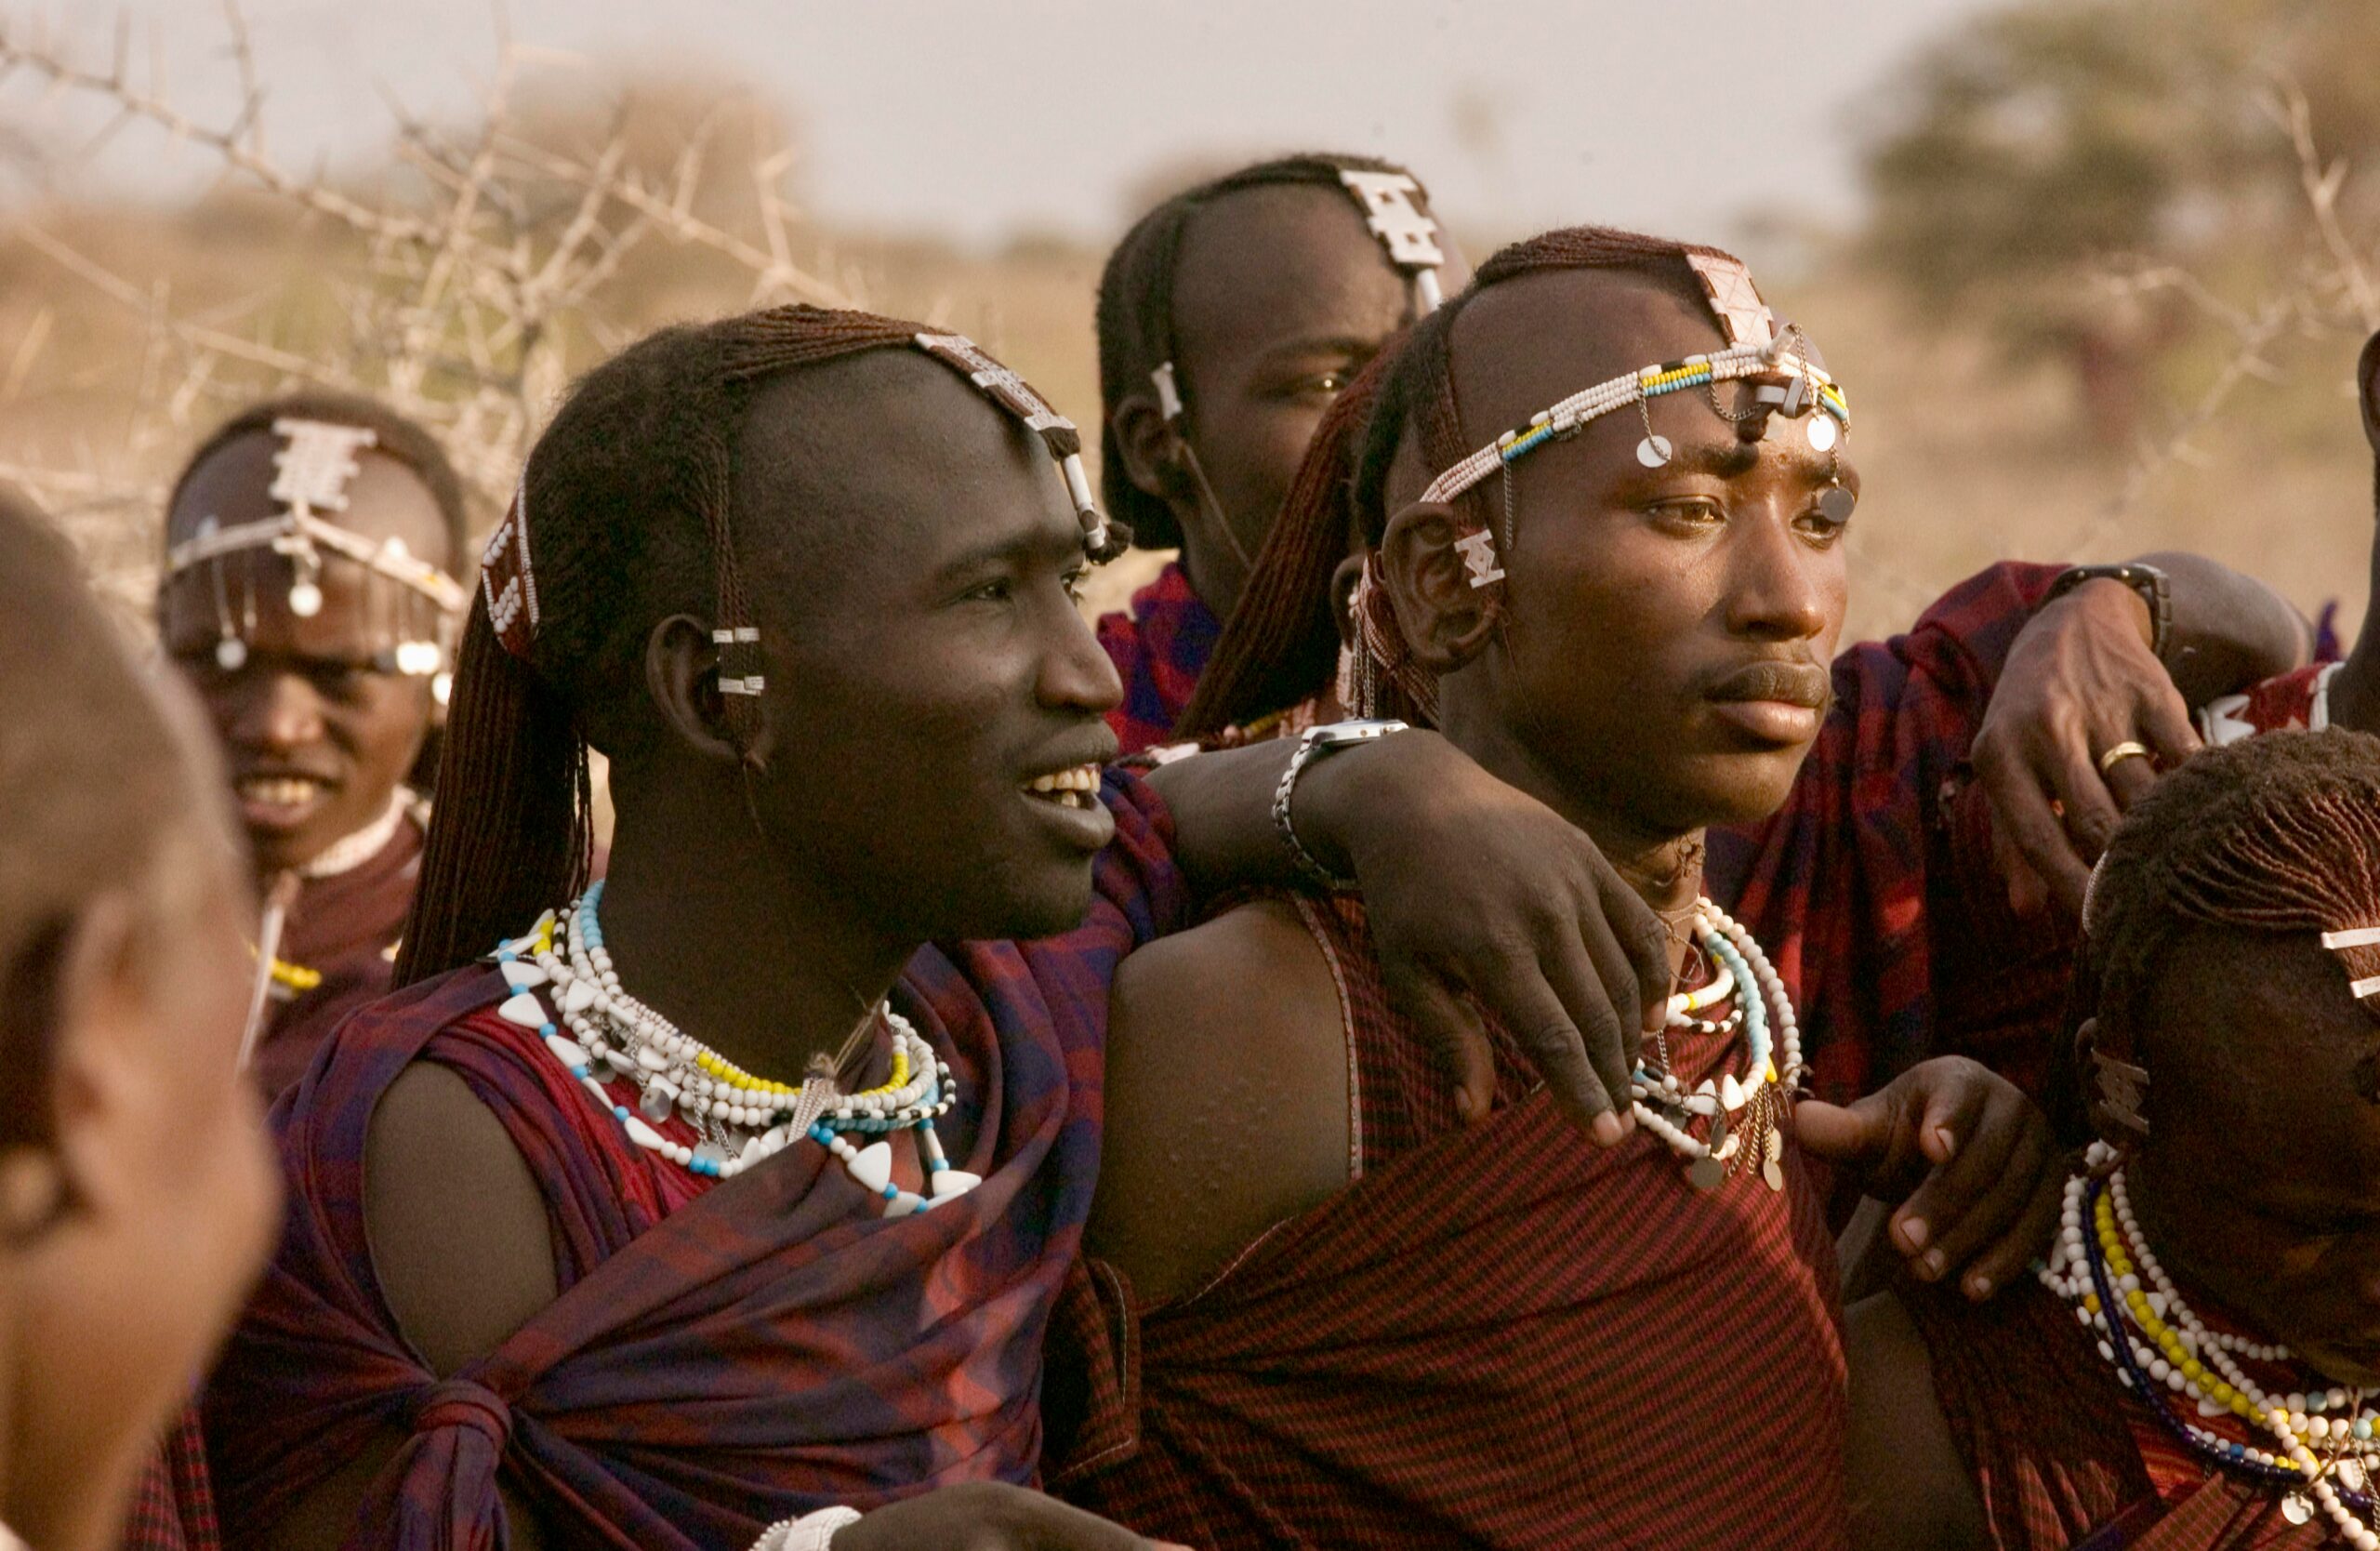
x=1068, y=789
x=279, y=791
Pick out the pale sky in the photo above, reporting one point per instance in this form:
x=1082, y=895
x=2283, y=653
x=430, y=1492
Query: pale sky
x=984, y=117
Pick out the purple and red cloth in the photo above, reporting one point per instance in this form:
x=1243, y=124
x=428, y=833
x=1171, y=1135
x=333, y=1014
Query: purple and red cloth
x=1498, y=1336
x=720, y=1357
x=1159, y=649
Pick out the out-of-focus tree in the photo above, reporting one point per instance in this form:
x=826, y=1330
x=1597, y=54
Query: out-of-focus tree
x=2042, y=149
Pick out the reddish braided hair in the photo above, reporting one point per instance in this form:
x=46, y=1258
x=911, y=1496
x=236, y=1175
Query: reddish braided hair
x=628, y=496
x=2275, y=834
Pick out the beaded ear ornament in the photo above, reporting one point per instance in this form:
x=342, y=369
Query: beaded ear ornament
x=311, y=473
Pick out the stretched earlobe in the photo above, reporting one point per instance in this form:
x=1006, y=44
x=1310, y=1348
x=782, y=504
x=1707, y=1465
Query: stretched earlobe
x=1432, y=562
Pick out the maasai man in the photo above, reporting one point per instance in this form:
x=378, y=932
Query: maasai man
x=1975, y=809
x=1228, y=318
x=136, y=1190
x=1381, y=1327
x=805, y=577
x=312, y=544
x=2194, y=1367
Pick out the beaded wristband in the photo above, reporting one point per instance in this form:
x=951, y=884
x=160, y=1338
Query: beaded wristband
x=811, y=1531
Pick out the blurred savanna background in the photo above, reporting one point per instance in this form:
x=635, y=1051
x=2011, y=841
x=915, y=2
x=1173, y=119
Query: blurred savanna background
x=2094, y=272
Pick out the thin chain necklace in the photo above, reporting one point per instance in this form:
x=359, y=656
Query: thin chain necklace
x=561, y=970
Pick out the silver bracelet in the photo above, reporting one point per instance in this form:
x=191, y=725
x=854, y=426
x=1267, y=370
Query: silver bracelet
x=811, y=1531
x=1315, y=743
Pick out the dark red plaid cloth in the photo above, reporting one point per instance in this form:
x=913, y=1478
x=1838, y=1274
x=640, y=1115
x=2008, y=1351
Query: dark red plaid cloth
x=1159, y=649
x=2061, y=1456
x=346, y=927
x=1873, y=888
x=767, y=1347
x=1498, y=1336
x=175, y=1508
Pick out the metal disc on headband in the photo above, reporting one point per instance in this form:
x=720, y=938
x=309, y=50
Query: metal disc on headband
x=1822, y=431
x=1654, y=451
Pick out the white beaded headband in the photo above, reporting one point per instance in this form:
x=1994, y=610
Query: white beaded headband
x=1807, y=388
x=311, y=475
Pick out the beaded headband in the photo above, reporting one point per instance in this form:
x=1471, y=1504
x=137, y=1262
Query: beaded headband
x=511, y=582
x=312, y=472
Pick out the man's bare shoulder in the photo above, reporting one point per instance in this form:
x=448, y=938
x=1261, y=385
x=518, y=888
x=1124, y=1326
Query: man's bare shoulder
x=1227, y=1096
x=456, y=1219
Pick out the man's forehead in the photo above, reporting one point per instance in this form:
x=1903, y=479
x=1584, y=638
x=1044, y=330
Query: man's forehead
x=1265, y=263
x=235, y=484
x=891, y=454
x=1535, y=340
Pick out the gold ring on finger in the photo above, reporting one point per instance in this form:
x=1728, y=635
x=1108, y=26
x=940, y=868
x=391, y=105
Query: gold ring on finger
x=2122, y=751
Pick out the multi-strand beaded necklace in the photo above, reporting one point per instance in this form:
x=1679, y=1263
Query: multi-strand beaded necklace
x=561, y=970
x=1739, y=1116
x=2323, y=1449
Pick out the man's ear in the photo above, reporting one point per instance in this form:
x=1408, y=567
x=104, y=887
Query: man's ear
x=682, y=674
x=2367, y=390
x=1446, y=622
x=1151, y=449
x=100, y=1083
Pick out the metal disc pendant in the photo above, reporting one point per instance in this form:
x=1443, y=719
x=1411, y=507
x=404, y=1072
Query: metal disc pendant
x=230, y=654
x=1822, y=431
x=1654, y=451
x=1836, y=502
x=1704, y=1173
x=2296, y=1509
x=305, y=600
x=2352, y=1474
x=1773, y=1176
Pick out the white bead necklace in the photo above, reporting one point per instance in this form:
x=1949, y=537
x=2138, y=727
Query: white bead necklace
x=2153, y=1339
x=740, y=1119
x=1741, y=1115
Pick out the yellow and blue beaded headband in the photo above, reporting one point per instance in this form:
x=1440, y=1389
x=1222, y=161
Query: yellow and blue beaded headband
x=1757, y=347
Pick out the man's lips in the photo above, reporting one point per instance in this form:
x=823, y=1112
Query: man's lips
x=1786, y=684
x=280, y=798
x=1778, y=703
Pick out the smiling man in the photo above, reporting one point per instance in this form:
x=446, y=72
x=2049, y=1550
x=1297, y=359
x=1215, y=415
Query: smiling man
x=768, y=1198
x=308, y=597
x=1229, y=317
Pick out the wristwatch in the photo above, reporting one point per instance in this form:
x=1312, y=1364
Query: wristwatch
x=2155, y=590
x=1312, y=744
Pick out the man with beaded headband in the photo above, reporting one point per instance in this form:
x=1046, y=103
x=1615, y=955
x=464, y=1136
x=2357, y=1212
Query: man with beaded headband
x=309, y=596
x=769, y=1205
x=1228, y=318
x=2195, y=1363
x=1622, y=605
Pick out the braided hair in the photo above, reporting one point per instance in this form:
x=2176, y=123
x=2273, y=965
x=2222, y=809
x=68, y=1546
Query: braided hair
x=1135, y=316
x=1270, y=653
x=626, y=499
x=392, y=434
x=2275, y=834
